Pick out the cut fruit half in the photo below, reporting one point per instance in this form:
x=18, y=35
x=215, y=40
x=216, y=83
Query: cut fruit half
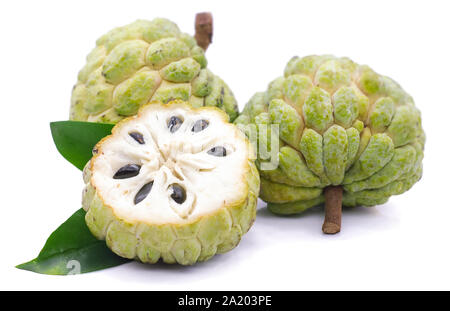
x=173, y=182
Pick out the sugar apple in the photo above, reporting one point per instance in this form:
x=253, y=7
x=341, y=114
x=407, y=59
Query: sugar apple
x=347, y=135
x=144, y=61
x=173, y=182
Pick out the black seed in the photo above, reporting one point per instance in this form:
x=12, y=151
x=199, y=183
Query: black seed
x=200, y=125
x=178, y=194
x=137, y=137
x=218, y=151
x=143, y=193
x=174, y=124
x=127, y=171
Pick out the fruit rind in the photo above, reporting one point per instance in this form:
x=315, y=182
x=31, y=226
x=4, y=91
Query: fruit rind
x=142, y=62
x=340, y=124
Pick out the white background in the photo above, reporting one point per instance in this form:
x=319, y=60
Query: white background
x=403, y=244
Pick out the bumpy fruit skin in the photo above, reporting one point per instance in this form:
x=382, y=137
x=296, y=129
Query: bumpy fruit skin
x=144, y=61
x=340, y=123
x=185, y=244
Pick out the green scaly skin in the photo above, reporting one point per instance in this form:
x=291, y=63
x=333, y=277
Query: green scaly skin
x=182, y=244
x=340, y=124
x=142, y=62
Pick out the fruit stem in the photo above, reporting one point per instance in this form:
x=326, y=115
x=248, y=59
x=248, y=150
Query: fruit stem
x=203, y=29
x=333, y=209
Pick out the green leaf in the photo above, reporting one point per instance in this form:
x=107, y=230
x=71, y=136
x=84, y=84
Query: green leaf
x=75, y=139
x=72, y=249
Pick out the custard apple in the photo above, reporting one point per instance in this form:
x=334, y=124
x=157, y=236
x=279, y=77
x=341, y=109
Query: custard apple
x=144, y=61
x=172, y=182
x=344, y=135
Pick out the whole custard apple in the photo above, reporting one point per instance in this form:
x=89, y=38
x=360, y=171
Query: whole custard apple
x=174, y=183
x=145, y=61
x=345, y=135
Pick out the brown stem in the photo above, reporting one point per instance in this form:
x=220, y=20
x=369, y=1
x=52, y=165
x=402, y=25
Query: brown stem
x=333, y=209
x=203, y=29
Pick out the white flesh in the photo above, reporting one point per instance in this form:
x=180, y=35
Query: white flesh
x=172, y=158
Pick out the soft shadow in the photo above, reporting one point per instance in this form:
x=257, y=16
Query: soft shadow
x=355, y=220
x=268, y=229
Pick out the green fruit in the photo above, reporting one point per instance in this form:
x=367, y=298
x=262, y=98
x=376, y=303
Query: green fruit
x=144, y=61
x=340, y=125
x=174, y=182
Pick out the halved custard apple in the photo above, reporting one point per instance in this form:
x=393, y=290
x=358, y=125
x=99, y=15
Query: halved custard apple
x=173, y=182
